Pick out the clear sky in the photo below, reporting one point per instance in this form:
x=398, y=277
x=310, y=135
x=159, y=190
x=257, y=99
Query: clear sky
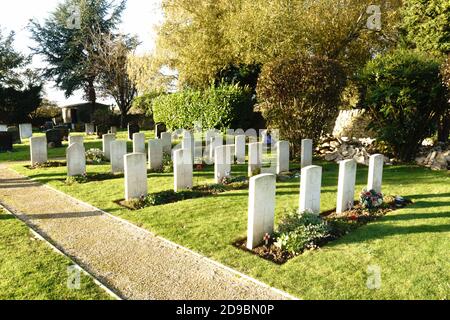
x=140, y=18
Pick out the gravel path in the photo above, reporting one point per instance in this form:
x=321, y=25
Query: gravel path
x=129, y=260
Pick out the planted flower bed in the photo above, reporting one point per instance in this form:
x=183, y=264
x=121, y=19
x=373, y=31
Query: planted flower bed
x=48, y=164
x=301, y=232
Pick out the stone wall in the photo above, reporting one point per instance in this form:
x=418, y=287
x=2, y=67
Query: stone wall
x=352, y=124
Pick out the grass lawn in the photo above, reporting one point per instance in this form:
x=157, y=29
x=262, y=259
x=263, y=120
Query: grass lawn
x=411, y=246
x=30, y=270
x=22, y=151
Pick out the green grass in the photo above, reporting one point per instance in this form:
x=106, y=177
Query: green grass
x=411, y=246
x=30, y=270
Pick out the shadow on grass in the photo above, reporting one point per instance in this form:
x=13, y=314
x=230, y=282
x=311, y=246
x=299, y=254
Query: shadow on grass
x=416, y=216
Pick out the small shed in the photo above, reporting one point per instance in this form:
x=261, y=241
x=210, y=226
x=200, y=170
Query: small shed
x=81, y=113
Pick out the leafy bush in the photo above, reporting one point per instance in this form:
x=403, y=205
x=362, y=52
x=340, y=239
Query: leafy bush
x=77, y=180
x=404, y=96
x=143, y=103
x=301, y=231
x=218, y=107
x=370, y=199
x=300, y=96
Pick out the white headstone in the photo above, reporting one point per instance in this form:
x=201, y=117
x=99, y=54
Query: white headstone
x=310, y=185
x=107, y=139
x=76, y=160
x=26, y=131
x=89, y=128
x=282, y=156
x=346, y=186
x=139, y=143
x=254, y=157
x=240, y=148
x=118, y=151
x=222, y=163
x=261, y=208
x=188, y=143
x=216, y=141
x=155, y=154
x=38, y=150
x=3, y=128
x=306, y=153
x=135, y=176
x=182, y=170
x=375, y=180
x=76, y=139
x=166, y=139
x=113, y=130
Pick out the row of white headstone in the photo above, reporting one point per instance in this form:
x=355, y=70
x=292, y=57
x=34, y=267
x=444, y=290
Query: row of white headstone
x=261, y=207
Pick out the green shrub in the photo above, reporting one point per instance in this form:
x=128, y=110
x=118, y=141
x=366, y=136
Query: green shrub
x=220, y=107
x=404, y=96
x=143, y=104
x=300, y=96
x=301, y=231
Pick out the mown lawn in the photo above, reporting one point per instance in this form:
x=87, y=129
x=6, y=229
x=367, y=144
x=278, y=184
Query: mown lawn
x=30, y=270
x=411, y=246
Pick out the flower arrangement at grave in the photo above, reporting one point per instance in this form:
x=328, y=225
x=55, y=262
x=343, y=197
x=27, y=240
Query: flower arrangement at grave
x=95, y=156
x=370, y=199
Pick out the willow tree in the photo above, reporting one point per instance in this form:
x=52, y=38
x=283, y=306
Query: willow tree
x=63, y=40
x=202, y=37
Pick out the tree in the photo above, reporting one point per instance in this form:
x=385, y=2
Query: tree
x=299, y=96
x=109, y=59
x=404, y=97
x=20, y=90
x=201, y=38
x=426, y=27
x=63, y=41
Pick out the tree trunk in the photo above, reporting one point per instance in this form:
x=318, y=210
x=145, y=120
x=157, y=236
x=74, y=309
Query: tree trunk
x=444, y=127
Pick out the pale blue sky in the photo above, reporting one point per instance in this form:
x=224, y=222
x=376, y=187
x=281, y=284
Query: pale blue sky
x=140, y=17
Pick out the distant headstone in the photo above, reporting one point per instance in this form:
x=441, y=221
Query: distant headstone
x=3, y=128
x=222, y=163
x=6, y=141
x=89, y=129
x=166, y=139
x=282, y=156
x=188, y=143
x=261, y=208
x=240, y=142
x=76, y=160
x=54, y=137
x=306, y=153
x=132, y=129
x=375, y=180
x=310, y=185
x=216, y=141
x=118, y=151
x=38, y=150
x=113, y=130
x=159, y=129
x=135, y=176
x=102, y=130
x=254, y=157
x=155, y=154
x=26, y=130
x=346, y=185
x=107, y=139
x=182, y=170
x=139, y=143
x=76, y=139
x=15, y=134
